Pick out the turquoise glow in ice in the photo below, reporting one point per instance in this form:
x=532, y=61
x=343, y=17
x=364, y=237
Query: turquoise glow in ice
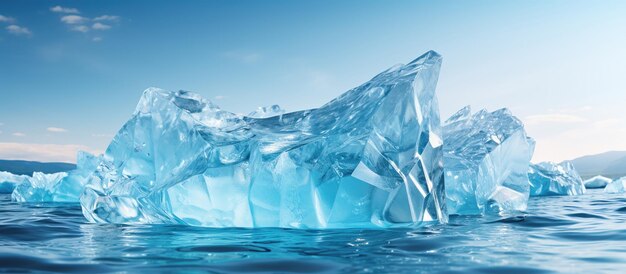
x=548, y=178
x=8, y=181
x=370, y=158
x=57, y=187
x=486, y=158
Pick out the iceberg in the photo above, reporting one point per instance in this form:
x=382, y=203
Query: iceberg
x=617, y=186
x=548, y=178
x=372, y=157
x=597, y=182
x=57, y=187
x=486, y=158
x=8, y=181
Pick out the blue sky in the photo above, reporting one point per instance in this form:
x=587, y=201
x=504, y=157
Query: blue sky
x=71, y=72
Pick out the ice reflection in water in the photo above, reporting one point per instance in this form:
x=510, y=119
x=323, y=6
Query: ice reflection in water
x=568, y=234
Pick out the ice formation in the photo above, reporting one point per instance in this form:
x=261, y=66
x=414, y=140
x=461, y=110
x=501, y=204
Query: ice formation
x=597, y=182
x=617, y=186
x=486, y=158
x=8, y=181
x=548, y=178
x=370, y=158
x=57, y=187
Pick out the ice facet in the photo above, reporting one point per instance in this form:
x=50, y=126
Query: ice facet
x=486, y=158
x=548, y=178
x=8, y=181
x=370, y=158
x=597, y=182
x=57, y=187
x=617, y=186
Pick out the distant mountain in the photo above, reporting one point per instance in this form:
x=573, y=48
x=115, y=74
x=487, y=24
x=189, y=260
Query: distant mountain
x=611, y=164
x=27, y=167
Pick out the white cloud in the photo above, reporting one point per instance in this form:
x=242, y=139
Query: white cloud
x=43, y=152
x=553, y=118
x=96, y=39
x=107, y=18
x=18, y=134
x=73, y=19
x=6, y=19
x=60, y=9
x=100, y=26
x=56, y=129
x=17, y=30
x=81, y=28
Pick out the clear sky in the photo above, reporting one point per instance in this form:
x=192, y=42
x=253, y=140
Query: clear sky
x=71, y=72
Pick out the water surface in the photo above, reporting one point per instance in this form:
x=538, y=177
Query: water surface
x=558, y=234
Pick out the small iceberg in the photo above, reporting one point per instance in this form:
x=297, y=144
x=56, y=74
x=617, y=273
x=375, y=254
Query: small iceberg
x=597, y=182
x=63, y=187
x=548, y=179
x=617, y=186
x=486, y=158
x=8, y=181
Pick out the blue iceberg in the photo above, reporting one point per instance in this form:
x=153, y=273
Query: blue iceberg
x=617, y=186
x=597, y=182
x=486, y=158
x=548, y=179
x=8, y=181
x=370, y=158
x=57, y=187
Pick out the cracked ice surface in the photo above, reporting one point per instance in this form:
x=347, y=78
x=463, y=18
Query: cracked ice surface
x=486, y=158
x=8, y=181
x=57, y=187
x=548, y=178
x=597, y=182
x=369, y=158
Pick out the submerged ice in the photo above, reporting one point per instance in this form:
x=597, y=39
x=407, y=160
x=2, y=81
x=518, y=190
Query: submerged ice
x=486, y=158
x=371, y=157
x=597, y=182
x=548, y=178
x=57, y=187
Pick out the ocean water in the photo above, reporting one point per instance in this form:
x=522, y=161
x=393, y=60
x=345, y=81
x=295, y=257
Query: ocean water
x=574, y=234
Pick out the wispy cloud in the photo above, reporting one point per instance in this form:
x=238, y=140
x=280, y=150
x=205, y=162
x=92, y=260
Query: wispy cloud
x=219, y=97
x=73, y=19
x=107, y=18
x=60, y=9
x=56, y=129
x=80, y=28
x=43, y=152
x=100, y=26
x=553, y=118
x=18, y=134
x=83, y=24
x=6, y=19
x=18, y=30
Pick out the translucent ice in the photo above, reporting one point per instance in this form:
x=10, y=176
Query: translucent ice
x=617, y=186
x=486, y=158
x=548, y=178
x=597, y=182
x=57, y=187
x=369, y=158
x=8, y=181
